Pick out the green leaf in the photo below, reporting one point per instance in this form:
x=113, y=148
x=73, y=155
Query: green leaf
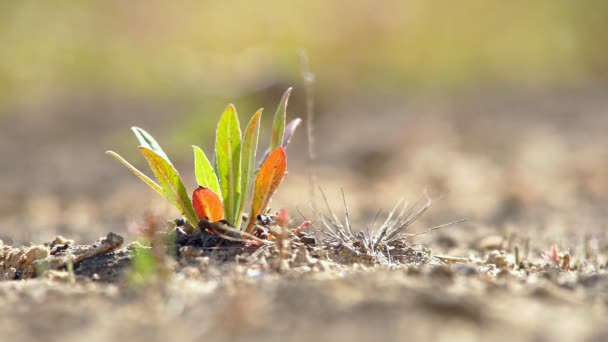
x=138, y=173
x=171, y=183
x=228, y=161
x=278, y=123
x=146, y=140
x=248, y=154
x=205, y=175
x=266, y=183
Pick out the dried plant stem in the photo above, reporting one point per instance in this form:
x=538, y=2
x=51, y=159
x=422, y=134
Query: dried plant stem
x=309, y=80
x=436, y=228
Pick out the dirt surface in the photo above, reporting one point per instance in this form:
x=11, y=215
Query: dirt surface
x=316, y=298
x=527, y=170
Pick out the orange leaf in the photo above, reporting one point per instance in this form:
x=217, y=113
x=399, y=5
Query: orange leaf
x=266, y=183
x=207, y=204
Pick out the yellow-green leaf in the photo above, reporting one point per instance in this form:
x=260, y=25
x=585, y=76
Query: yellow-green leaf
x=171, y=183
x=205, y=175
x=138, y=173
x=146, y=140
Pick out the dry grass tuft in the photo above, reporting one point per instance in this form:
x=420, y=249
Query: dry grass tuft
x=385, y=244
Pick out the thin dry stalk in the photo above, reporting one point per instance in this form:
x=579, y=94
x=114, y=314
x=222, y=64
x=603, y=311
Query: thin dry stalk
x=308, y=79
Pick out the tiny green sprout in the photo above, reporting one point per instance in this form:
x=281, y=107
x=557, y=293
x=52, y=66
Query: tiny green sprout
x=234, y=176
x=144, y=266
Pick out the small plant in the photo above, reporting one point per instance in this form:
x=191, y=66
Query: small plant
x=226, y=185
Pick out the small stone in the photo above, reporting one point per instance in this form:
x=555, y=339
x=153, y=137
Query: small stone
x=35, y=253
x=60, y=240
x=497, y=258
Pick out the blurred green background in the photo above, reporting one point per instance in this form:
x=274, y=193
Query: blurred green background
x=191, y=49
x=394, y=79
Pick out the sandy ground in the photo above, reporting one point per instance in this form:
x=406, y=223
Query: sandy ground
x=528, y=171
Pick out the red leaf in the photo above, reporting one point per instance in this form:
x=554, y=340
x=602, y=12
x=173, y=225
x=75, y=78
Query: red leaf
x=266, y=183
x=207, y=204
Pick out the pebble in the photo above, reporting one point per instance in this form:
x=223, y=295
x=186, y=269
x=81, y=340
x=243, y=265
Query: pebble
x=497, y=258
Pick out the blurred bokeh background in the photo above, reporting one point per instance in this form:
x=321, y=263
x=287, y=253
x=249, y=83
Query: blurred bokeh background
x=498, y=107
